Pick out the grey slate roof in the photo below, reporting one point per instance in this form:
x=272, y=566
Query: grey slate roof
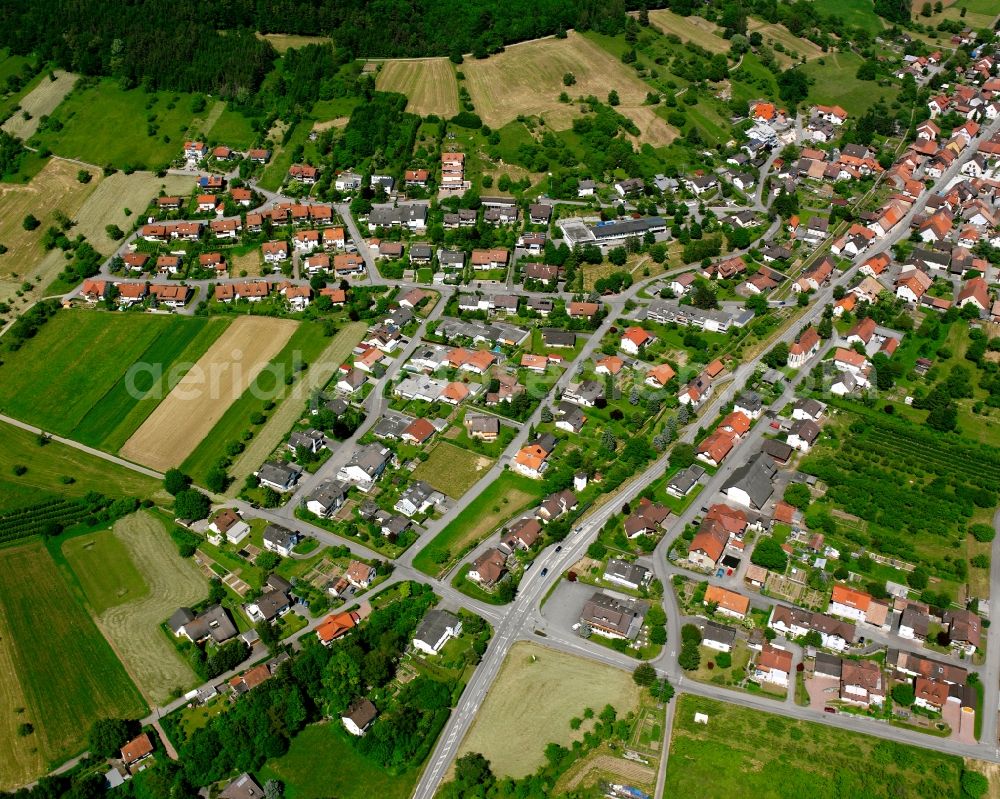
x=754, y=477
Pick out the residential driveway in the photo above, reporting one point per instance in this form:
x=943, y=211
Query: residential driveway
x=963, y=725
x=821, y=691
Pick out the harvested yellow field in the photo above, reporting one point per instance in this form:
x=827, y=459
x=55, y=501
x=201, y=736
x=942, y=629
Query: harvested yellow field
x=429, y=83
x=283, y=42
x=691, y=29
x=53, y=189
x=532, y=701
x=794, y=46
x=40, y=101
x=528, y=78
x=132, y=628
x=107, y=205
x=198, y=401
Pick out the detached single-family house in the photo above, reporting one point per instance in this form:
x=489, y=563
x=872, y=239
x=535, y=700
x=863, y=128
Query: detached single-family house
x=773, y=666
x=437, y=628
x=629, y=575
x=280, y=539
x=278, y=475
x=359, y=717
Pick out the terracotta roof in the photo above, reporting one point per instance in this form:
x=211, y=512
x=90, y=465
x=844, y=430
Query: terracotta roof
x=718, y=445
x=662, y=374
x=727, y=600
x=137, y=748
x=335, y=625
x=844, y=595
x=772, y=658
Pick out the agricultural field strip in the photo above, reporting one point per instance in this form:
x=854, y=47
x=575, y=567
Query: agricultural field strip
x=133, y=628
x=69, y=674
x=42, y=100
x=173, y=430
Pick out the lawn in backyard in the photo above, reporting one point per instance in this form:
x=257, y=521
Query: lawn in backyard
x=57, y=469
x=452, y=470
x=68, y=674
x=743, y=751
x=507, y=495
x=103, y=124
x=322, y=763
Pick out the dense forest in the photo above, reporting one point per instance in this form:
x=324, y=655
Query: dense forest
x=211, y=47
x=436, y=27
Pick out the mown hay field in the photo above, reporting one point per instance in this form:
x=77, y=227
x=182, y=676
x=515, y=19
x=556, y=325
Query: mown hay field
x=189, y=412
x=532, y=701
x=283, y=42
x=107, y=205
x=69, y=675
x=305, y=344
x=697, y=30
x=528, y=78
x=94, y=376
x=132, y=625
x=795, y=47
x=429, y=83
x=51, y=466
x=42, y=100
x=452, y=470
x=54, y=188
x=292, y=407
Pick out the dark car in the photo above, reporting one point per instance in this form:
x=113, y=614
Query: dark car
x=559, y=548
x=545, y=571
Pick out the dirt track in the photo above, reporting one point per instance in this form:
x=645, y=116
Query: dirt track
x=198, y=401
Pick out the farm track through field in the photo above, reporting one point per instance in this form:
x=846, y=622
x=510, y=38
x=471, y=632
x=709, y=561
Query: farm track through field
x=293, y=406
x=133, y=628
x=172, y=431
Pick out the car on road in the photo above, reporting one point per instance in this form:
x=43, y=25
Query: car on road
x=545, y=571
x=829, y=710
x=559, y=548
